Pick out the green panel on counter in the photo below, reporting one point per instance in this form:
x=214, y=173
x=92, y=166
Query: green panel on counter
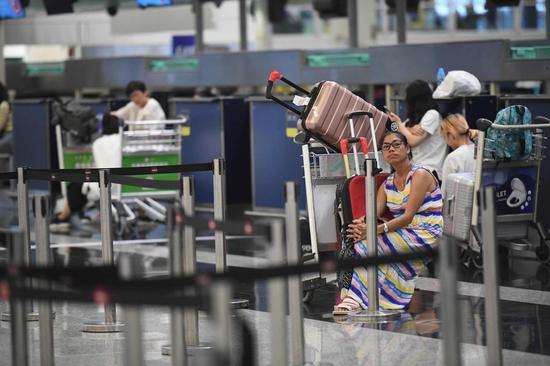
x=530, y=53
x=150, y=160
x=45, y=69
x=78, y=159
x=181, y=64
x=338, y=59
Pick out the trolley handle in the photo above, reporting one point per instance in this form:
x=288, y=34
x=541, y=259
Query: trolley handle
x=484, y=124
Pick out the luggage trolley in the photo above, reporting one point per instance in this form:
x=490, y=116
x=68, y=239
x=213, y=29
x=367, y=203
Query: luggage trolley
x=143, y=143
x=516, y=187
x=150, y=143
x=323, y=173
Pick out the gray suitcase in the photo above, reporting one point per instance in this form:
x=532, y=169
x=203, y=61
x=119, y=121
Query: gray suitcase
x=457, y=210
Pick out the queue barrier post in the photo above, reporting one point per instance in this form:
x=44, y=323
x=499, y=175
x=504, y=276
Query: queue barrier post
x=373, y=314
x=110, y=325
x=18, y=328
x=43, y=257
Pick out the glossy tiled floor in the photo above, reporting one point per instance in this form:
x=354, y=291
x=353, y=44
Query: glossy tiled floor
x=413, y=340
x=327, y=343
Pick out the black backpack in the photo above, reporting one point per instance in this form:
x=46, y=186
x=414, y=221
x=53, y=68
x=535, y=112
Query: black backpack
x=77, y=119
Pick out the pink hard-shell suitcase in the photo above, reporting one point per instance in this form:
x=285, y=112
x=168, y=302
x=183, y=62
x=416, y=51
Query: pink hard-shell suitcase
x=326, y=117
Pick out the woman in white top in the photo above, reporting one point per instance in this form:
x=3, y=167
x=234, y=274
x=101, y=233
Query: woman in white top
x=423, y=127
x=459, y=137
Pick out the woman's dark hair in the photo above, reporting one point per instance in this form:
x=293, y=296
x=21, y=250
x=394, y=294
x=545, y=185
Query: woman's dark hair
x=400, y=136
x=4, y=93
x=418, y=96
x=135, y=85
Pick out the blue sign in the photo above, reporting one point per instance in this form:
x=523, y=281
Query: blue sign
x=515, y=189
x=183, y=45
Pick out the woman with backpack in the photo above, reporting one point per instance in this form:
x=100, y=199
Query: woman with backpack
x=422, y=128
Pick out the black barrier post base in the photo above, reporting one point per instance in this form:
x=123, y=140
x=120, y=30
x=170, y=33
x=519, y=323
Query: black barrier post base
x=191, y=350
x=374, y=316
x=239, y=304
x=31, y=317
x=103, y=328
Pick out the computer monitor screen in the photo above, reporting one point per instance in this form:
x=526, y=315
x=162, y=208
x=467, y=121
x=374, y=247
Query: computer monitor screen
x=54, y=7
x=146, y=3
x=11, y=9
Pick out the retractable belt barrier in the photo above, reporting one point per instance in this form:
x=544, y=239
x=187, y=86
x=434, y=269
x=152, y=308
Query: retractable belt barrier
x=108, y=280
x=104, y=177
x=92, y=175
x=8, y=176
x=184, y=288
x=146, y=183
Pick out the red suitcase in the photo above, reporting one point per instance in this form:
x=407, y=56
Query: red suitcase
x=326, y=117
x=352, y=192
x=351, y=202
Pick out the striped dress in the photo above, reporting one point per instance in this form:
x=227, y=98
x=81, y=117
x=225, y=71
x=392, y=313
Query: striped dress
x=396, y=281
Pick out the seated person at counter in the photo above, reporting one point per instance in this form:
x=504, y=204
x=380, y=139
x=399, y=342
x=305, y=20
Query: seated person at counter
x=141, y=107
x=412, y=196
x=459, y=137
x=107, y=154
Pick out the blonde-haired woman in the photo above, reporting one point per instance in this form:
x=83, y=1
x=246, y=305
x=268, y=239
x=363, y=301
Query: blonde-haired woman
x=459, y=137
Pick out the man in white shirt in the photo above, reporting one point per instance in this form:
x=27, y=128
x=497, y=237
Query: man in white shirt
x=141, y=107
x=107, y=154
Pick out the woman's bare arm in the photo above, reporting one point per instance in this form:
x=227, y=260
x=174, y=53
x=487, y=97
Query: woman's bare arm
x=422, y=183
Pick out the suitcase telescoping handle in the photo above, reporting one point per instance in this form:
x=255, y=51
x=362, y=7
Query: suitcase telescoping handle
x=360, y=114
x=351, y=116
x=344, y=148
x=273, y=77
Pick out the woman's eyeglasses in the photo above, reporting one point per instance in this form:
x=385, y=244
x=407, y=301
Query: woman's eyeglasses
x=395, y=144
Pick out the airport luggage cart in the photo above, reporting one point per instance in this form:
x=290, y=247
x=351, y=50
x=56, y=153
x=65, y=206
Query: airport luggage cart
x=143, y=143
x=517, y=184
x=324, y=172
x=151, y=143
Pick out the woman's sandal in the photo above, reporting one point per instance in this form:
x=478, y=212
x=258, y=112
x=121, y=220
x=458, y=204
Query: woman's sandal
x=348, y=305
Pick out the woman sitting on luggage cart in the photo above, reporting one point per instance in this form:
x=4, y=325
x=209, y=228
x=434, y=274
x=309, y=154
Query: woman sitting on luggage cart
x=413, y=198
x=422, y=127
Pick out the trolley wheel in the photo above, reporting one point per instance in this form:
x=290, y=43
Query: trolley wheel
x=465, y=257
x=477, y=259
x=308, y=296
x=543, y=252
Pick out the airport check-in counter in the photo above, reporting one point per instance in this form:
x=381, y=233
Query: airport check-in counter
x=34, y=137
x=217, y=127
x=38, y=149
x=275, y=157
